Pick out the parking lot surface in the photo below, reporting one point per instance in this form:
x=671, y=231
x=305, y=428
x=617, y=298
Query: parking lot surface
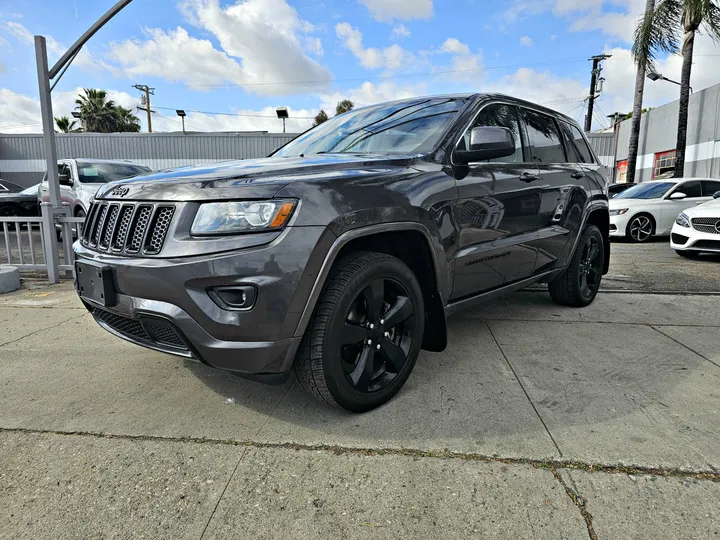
x=537, y=422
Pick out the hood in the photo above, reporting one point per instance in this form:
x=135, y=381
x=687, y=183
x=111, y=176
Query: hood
x=708, y=209
x=251, y=178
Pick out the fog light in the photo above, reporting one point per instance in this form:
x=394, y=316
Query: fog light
x=234, y=297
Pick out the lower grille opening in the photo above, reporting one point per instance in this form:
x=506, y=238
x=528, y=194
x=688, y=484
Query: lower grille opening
x=613, y=228
x=679, y=238
x=707, y=244
x=148, y=330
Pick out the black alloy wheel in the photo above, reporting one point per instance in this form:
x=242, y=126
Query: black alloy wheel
x=365, y=334
x=377, y=336
x=579, y=283
x=590, y=267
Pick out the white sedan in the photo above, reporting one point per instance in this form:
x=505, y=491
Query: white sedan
x=697, y=229
x=650, y=208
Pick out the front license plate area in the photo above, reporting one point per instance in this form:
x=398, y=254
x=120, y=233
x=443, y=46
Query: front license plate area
x=95, y=283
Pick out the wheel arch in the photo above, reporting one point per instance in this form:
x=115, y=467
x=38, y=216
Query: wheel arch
x=600, y=217
x=411, y=243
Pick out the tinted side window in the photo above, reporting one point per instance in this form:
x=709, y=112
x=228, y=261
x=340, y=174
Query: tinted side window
x=579, y=143
x=498, y=115
x=545, y=144
x=573, y=152
x=709, y=188
x=691, y=189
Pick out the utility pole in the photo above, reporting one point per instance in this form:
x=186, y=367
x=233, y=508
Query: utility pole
x=596, y=71
x=148, y=92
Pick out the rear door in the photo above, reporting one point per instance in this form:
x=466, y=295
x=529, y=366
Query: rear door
x=564, y=188
x=496, y=211
x=710, y=187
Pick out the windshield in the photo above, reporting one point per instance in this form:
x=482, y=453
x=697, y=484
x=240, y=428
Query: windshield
x=393, y=128
x=650, y=190
x=99, y=173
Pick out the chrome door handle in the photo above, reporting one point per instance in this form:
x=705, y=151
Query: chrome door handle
x=577, y=175
x=528, y=177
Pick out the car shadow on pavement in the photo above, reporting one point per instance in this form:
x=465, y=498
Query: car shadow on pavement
x=512, y=368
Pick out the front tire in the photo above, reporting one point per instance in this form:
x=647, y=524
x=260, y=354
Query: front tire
x=640, y=229
x=365, y=335
x=578, y=285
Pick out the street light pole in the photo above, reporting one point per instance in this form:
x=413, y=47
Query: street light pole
x=54, y=207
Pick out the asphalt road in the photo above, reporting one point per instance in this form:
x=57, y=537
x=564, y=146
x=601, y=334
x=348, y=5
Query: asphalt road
x=538, y=421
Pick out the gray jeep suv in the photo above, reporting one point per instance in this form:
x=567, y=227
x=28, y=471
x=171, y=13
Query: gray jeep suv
x=342, y=254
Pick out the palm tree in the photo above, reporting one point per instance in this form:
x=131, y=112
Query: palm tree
x=675, y=22
x=126, y=121
x=98, y=114
x=66, y=126
x=640, y=52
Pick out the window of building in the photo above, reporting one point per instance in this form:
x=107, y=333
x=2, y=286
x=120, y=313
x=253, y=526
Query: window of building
x=622, y=171
x=664, y=163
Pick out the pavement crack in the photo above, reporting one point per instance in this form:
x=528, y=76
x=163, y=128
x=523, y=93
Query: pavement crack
x=547, y=430
x=685, y=346
x=222, y=494
x=579, y=501
x=44, y=329
x=546, y=464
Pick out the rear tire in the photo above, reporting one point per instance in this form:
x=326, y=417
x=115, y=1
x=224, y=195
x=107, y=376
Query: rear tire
x=578, y=285
x=365, y=334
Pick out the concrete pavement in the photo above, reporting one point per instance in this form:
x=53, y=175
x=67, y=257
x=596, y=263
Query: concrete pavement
x=537, y=422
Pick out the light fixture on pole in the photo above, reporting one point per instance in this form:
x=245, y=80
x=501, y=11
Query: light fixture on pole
x=282, y=112
x=654, y=76
x=182, y=115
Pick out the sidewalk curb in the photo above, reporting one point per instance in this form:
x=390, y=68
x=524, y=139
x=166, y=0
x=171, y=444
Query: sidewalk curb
x=9, y=279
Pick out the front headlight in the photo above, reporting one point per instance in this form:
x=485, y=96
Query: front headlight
x=683, y=220
x=241, y=216
x=619, y=212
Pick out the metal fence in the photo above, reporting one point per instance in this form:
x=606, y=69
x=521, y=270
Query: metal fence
x=22, y=243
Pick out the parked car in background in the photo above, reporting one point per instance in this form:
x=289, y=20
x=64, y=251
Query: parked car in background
x=614, y=189
x=81, y=178
x=697, y=229
x=21, y=203
x=342, y=254
x=650, y=208
x=9, y=187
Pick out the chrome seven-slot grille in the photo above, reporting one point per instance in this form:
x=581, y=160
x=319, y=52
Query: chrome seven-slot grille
x=127, y=228
x=706, y=225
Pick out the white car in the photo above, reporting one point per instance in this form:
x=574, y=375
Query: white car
x=697, y=229
x=650, y=208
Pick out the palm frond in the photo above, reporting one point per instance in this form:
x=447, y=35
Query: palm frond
x=658, y=32
x=710, y=11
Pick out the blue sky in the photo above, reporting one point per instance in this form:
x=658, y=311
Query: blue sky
x=243, y=58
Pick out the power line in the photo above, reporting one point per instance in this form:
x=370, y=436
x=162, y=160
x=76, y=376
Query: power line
x=235, y=114
x=389, y=77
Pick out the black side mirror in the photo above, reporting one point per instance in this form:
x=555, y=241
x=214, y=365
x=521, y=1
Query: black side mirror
x=487, y=142
x=716, y=195
x=65, y=180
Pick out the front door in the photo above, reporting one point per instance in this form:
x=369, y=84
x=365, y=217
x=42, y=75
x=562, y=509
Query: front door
x=672, y=207
x=496, y=212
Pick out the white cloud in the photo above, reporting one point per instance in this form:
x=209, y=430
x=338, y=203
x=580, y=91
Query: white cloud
x=391, y=58
x=526, y=41
x=55, y=50
x=400, y=31
x=177, y=57
x=463, y=60
x=314, y=45
x=369, y=93
x=390, y=10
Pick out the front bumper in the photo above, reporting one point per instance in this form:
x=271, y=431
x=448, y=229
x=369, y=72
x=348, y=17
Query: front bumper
x=687, y=238
x=163, y=304
x=618, y=224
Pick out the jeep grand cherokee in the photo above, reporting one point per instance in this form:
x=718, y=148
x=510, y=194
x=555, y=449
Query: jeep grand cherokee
x=341, y=255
